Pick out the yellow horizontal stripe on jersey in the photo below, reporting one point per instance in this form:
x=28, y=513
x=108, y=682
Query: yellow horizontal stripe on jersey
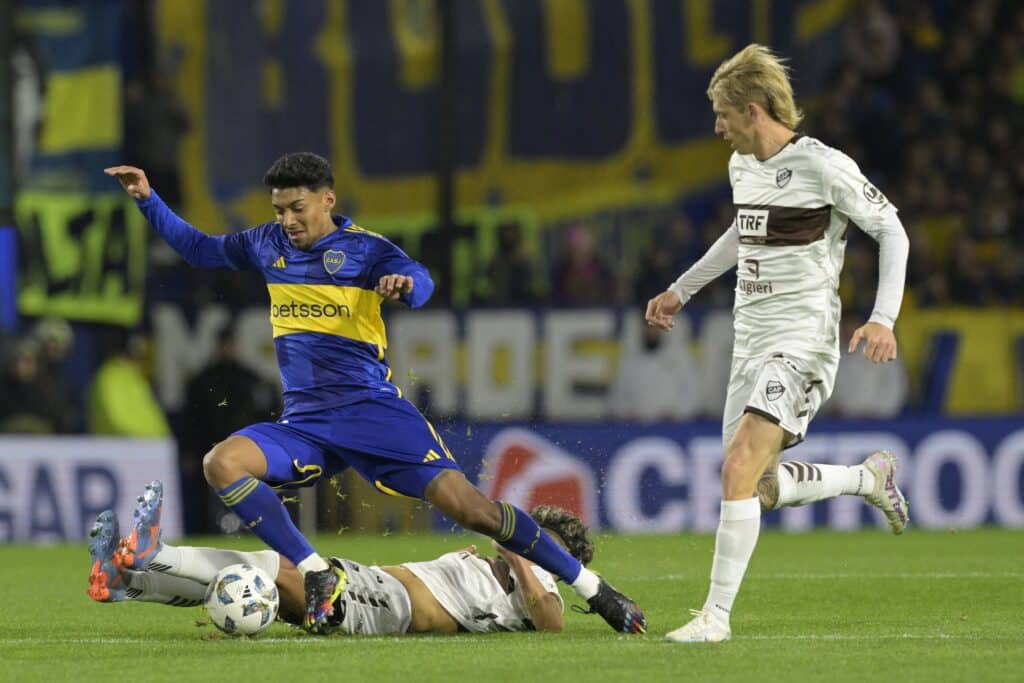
x=350, y=312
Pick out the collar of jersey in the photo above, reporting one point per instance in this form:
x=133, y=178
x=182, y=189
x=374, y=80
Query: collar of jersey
x=341, y=221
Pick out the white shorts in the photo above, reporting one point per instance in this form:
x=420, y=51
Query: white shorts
x=375, y=603
x=786, y=389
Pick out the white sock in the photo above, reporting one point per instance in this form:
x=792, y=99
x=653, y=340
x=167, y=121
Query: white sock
x=313, y=563
x=164, y=588
x=586, y=584
x=801, y=483
x=202, y=564
x=738, y=527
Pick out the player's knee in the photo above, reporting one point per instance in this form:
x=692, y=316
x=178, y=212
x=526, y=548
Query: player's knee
x=222, y=466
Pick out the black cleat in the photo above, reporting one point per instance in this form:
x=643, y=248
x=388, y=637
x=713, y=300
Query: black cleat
x=621, y=613
x=322, y=589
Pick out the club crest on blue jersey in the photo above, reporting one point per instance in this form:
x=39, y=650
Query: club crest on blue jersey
x=782, y=177
x=333, y=260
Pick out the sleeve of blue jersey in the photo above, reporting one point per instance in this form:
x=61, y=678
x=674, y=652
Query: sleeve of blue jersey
x=388, y=259
x=196, y=247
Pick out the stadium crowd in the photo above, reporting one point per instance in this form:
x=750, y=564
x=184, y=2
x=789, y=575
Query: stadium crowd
x=929, y=98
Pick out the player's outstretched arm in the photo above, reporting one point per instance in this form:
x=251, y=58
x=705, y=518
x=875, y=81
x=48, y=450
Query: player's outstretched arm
x=196, y=247
x=720, y=257
x=545, y=607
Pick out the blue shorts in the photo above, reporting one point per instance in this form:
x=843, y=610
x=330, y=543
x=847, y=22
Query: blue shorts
x=385, y=439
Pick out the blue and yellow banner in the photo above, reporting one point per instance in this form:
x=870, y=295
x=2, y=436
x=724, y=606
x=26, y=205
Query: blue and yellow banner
x=82, y=243
x=83, y=257
x=563, y=106
x=80, y=130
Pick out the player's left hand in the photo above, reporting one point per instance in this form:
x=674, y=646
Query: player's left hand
x=393, y=286
x=880, y=342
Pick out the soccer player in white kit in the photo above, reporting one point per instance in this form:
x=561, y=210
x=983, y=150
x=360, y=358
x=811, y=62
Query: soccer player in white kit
x=459, y=591
x=794, y=198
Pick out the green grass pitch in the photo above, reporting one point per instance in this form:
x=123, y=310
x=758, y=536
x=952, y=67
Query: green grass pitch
x=820, y=606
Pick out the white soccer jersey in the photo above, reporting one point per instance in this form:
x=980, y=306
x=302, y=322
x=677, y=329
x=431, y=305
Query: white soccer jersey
x=787, y=241
x=467, y=589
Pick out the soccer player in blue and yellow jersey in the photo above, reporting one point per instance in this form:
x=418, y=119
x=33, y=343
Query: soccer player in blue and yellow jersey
x=327, y=279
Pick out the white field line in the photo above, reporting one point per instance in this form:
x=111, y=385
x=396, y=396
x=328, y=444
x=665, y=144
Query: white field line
x=461, y=642
x=789, y=576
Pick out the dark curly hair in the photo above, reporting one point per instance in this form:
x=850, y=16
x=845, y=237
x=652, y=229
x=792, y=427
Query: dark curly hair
x=300, y=169
x=569, y=529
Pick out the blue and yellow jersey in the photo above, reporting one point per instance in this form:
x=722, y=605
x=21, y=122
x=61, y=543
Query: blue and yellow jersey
x=328, y=332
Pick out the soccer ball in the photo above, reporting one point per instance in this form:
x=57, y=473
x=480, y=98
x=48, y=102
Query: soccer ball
x=242, y=600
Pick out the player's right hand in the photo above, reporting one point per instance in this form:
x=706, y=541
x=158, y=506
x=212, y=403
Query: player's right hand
x=661, y=308
x=132, y=179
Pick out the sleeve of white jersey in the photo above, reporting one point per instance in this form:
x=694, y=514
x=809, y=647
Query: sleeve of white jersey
x=720, y=257
x=855, y=197
x=547, y=581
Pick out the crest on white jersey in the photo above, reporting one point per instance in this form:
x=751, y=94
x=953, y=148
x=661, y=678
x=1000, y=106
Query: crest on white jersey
x=782, y=177
x=873, y=194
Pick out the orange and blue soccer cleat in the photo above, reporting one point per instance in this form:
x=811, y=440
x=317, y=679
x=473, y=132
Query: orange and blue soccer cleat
x=322, y=589
x=143, y=543
x=106, y=584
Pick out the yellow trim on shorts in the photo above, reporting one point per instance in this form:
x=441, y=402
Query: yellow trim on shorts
x=314, y=470
x=389, y=491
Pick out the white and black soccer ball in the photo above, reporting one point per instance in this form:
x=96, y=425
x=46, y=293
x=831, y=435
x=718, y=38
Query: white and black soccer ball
x=242, y=600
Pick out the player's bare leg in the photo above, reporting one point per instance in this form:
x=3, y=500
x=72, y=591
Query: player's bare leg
x=231, y=459
x=755, y=445
x=793, y=483
x=452, y=494
x=235, y=468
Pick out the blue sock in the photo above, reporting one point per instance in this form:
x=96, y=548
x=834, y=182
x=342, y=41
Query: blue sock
x=264, y=514
x=520, y=534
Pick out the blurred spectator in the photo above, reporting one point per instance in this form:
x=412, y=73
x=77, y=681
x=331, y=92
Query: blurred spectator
x=55, y=338
x=222, y=398
x=154, y=123
x=946, y=129
x=670, y=252
x=510, y=274
x=438, y=248
x=580, y=277
x=27, y=93
x=27, y=404
x=872, y=39
x=658, y=378
x=121, y=400
x=656, y=271
x=969, y=279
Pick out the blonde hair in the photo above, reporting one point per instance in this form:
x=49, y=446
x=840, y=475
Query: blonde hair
x=756, y=74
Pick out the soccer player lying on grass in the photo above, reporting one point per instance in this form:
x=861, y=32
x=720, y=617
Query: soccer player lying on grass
x=459, y=591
